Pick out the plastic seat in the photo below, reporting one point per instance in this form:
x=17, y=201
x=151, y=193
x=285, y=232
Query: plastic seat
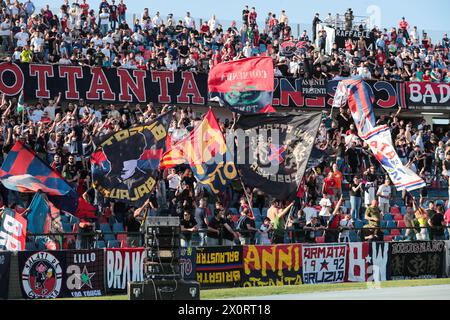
x=233, y=210
x=113, y=244
x=107, y=233
x=122, y=237
x=264, y=212
x=398, y=217
x=67, y=227
x=118, y=227
x=395, y=232
x=403, y=210
x=100, y=244
x=398, y=238
x=358, y=224
x=388, y=217
x=388, y=238
x=395, y=210
x=383, y=223
x=401, y=224
x=256, y=212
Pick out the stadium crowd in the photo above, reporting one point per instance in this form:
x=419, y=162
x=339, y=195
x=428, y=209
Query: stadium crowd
x=346, y=191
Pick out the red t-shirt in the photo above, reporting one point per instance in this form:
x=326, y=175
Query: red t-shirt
x=381, y=58
x=426, y=78
x=329, y=184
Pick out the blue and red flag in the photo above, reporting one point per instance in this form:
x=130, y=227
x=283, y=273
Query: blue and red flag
x=360, y=100
x=24, y=171
x=244, y=86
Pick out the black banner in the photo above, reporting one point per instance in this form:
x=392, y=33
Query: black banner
x=314, y=87
x=139, y=86
x=103, y=84
x=342, y=35
x=219, y=267
x=85, y=273
x=126, y=162
x=276, y=151
x=42, y=274
x=5, y=260
x=416, y=260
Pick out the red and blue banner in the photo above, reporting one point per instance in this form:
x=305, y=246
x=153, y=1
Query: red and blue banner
x=244, y=86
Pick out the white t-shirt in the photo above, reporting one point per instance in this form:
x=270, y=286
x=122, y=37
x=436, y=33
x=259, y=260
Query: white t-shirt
x=384, y=191
x=345, y=223
x=189, y=22
x=325, y=203
x=5, y=29
x=36, y=115
x=174, y=181
x=50, y=111
x=309, y=213
x=38, y=44
x=104, y=18
x=97, y=42
x=22, y=38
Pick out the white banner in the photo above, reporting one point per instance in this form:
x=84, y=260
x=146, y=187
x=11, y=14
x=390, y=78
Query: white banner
x=380, y=142
x=324, y=264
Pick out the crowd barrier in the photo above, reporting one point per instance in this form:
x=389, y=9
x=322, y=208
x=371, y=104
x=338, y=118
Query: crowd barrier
x=98, y=272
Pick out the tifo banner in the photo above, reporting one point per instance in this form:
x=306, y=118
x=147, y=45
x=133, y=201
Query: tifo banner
x=206, y=152
x=219, y=267
x=123, y=265
x=125, y=164
x=274, y=157
x=188, y=261
x=324, y=263
x=341, y=36
x=42, y=274
x=139, y=86
x=85, y=273
x=427, y=94
x=5, y=259
x=416, y=260
x=13, y=228
x=380, y=142
x=103, y=84
x=274, y=265
x=244, y=86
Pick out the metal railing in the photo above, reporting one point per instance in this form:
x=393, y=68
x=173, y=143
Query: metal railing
x=87, y=240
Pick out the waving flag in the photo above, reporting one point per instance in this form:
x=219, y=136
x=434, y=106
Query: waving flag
x=360, y=99
x=276, y=149
x=126, y=162
x=207, y=154
x=39, y=209
x=244, y=86
x=24, y=171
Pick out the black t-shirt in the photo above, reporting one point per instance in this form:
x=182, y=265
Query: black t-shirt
x=436, y=220
x=355, y=193
x=447, y=164
x=215, y=224
x=132, y=224
x=188, y=224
